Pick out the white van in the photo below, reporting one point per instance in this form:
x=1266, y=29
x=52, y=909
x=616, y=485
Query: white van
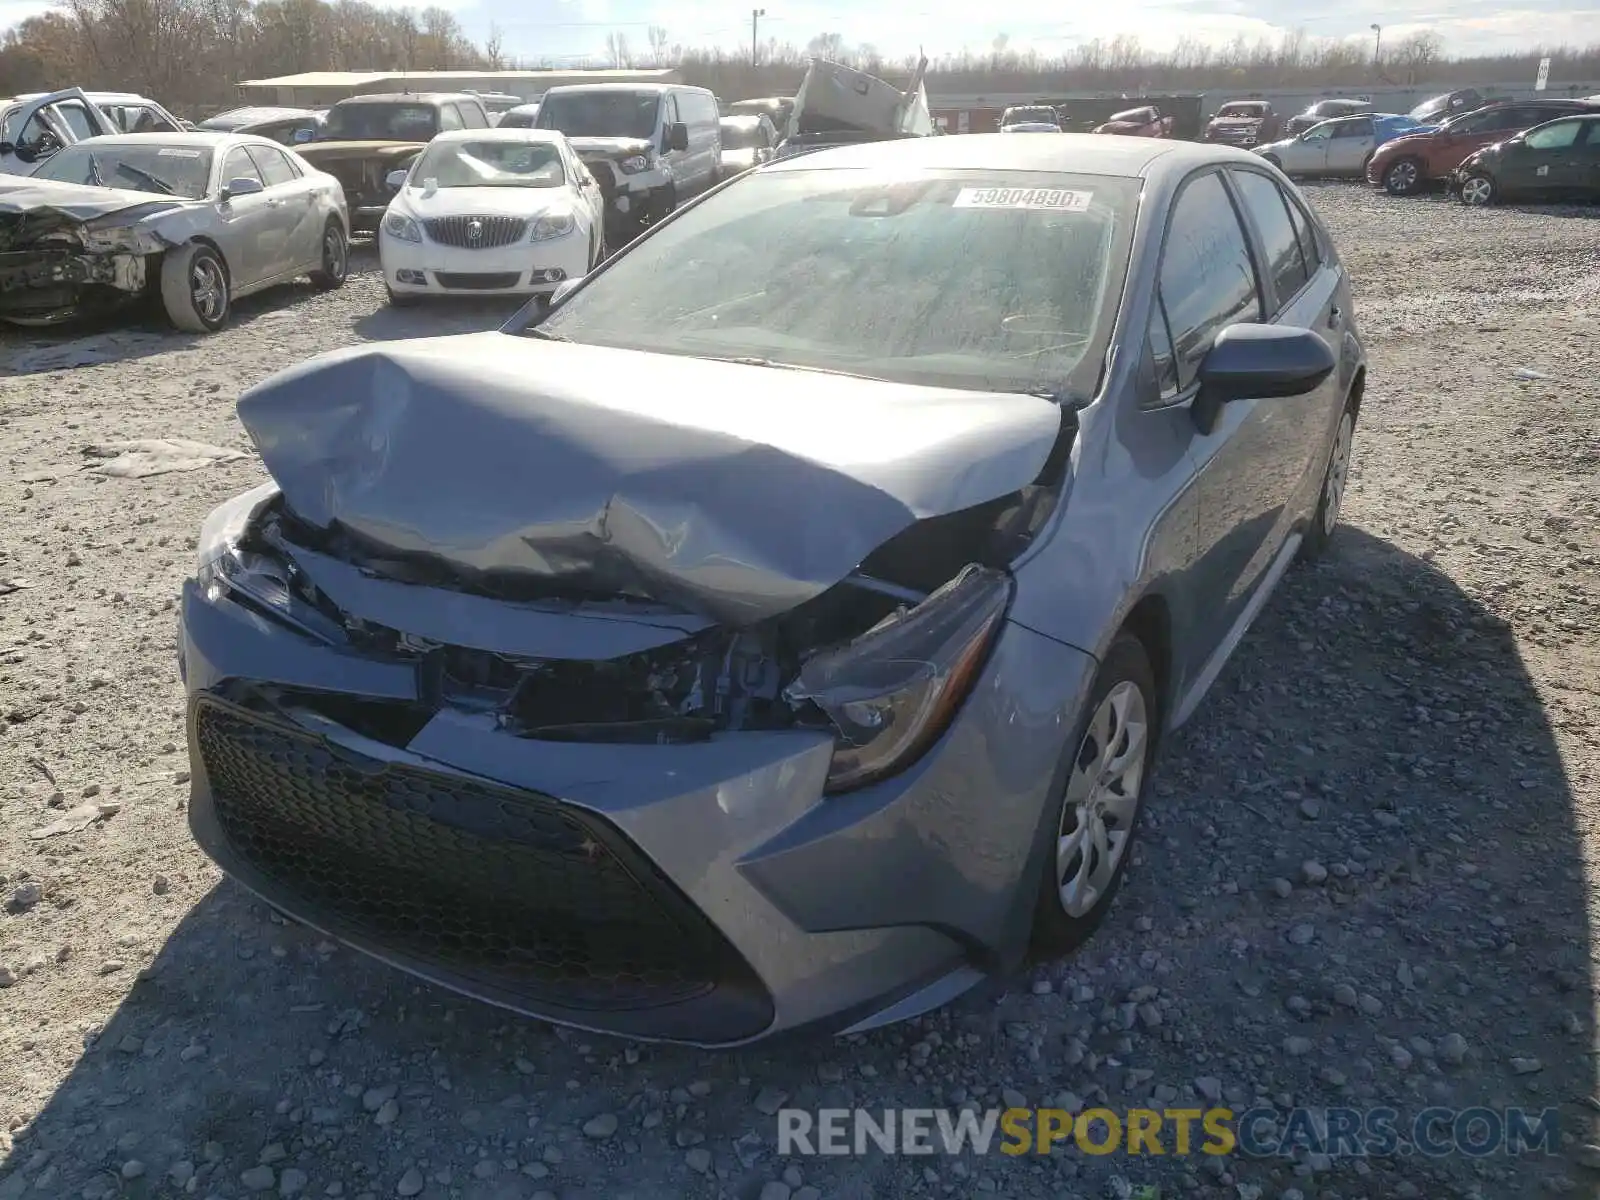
x=650, y=146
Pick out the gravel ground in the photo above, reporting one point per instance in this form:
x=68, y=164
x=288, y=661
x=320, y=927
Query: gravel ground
x=1365, y=880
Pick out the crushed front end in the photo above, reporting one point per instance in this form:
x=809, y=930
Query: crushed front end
x=576, y=702
x=55, y=266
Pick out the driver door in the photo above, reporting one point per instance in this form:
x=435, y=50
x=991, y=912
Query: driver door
x=1311, y=154
x=254, y=233
x=35, y=130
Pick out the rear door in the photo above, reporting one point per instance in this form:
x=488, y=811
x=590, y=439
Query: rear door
x=296, y=210
x=1352, y=144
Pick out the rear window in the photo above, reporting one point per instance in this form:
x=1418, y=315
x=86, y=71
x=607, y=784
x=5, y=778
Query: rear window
x=382, y=123
x=999, y=281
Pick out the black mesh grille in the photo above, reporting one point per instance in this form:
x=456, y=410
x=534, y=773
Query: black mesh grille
x=507, y=889
x=476, y=233
x=477, y=282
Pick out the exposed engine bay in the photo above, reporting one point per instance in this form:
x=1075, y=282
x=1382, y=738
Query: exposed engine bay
x=56, y=265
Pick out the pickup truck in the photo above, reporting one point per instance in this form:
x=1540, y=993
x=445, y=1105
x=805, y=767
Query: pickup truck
x=1145, y=121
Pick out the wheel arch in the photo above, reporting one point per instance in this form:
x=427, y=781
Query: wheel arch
x=1150, y=621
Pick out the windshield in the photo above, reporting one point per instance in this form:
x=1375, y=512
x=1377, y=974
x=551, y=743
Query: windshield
x=996, y=281
x=742, y=135
x=601, y=114
x=1030, y=116
x=1429, y=106
x=490, y=163
x=1135, y=116
x=182, y=171
x=1242, y=110
x=381, y=123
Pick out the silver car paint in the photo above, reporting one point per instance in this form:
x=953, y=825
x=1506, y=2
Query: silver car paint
x=264, y=239
x=741, y=510
x=881, y=902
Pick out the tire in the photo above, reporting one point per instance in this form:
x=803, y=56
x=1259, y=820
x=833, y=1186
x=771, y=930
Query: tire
x=1479, y=190
x=194, y=288
x=1403, y=178
x=1325, y=523
x=1124, y=700
x=400, y=299
x=335, y=258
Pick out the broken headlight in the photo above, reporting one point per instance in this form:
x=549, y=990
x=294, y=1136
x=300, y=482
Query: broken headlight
x=225, y=525
x=264, y=582
x=892, y=692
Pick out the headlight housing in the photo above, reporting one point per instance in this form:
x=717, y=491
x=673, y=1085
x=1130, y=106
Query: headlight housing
x=894, y=690
x=634, y=164
x=552, y=225
x=401, y=227
x=263, y=582
x=225, y=525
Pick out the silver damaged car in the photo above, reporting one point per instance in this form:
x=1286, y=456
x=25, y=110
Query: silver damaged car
x=781, y=628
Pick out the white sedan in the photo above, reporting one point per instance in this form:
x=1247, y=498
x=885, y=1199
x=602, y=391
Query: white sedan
x=487, y=212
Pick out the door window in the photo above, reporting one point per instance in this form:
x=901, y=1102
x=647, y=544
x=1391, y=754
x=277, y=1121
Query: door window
x=1269, y=210
x=1561, y=136
x=472, y=115
x=450, y=117
x=74, y=117
x=239, y=165
x=1357, y=127
x=274, y=167
x=1208, y=279
x=1166, y=363
x=1307, y=235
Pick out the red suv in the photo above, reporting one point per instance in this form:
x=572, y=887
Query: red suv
x=1408, y=164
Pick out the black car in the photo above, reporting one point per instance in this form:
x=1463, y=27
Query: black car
x=1557, y=160
x=1450, y=104
x=286, y=126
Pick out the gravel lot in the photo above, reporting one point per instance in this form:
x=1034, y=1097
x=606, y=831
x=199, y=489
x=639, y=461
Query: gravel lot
x=1366, y=877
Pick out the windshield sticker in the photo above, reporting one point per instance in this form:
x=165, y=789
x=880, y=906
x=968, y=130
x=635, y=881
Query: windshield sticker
x=1041, y=199
x=175, y=152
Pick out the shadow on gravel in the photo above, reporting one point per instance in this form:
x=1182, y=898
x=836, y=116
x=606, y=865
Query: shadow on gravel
x=435, y=318
x=1377, y=744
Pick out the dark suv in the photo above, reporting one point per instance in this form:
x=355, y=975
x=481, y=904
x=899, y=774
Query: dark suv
x=364, y=138
x=1410, y=163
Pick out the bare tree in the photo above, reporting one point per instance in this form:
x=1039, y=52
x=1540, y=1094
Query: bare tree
x=1416, y=54
x=493, y=48
x=656, y=35
x=827, y=45
x=617, y=49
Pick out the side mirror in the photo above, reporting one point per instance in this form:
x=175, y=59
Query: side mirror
x=1259, y=362
x=563, y=288
x=243, y=186
x=9, y=148
x=396, y=179
x=677, y=136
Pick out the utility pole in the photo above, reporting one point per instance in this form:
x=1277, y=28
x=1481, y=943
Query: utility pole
x=755, y=25
x=1377, y=48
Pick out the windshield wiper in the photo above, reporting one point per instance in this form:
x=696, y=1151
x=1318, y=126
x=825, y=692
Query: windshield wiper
x=94, y=172
x=750, y=361
x=163, y=185
x=1070, y=401
x=535, y=331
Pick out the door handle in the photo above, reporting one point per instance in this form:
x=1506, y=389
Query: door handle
x=1335, y=316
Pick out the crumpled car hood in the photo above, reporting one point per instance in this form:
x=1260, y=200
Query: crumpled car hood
x=735, y=490
x=79, y=202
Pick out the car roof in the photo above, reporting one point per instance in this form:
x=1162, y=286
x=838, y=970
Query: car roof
x=405, y=98
x=496, y=133
x=108, y=97
x=1070, y=153
x=625, y=87
x=244, y=116
x=200, y=139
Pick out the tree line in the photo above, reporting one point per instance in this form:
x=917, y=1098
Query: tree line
x=189, y=54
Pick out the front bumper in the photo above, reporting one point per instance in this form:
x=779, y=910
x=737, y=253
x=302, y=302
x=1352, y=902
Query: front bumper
x=46, y=286
x=524, y=269
x=703, y=893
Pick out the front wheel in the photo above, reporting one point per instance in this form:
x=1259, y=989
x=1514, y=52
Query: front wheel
x=1320, y=536
x=1478, y=190
x=1099, y=810
x=194, y=288
x=335, y=265
x=1403, y=178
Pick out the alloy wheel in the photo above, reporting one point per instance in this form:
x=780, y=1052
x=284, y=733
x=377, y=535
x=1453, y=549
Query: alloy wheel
x=335, y=256
x=1477, y=191
x=1338, y=472
x=208, y=289
x=1403, y=176
x=1102, y=799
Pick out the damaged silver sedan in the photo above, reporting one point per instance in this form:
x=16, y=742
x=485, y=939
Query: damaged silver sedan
x=781, y=628
x=190, y=220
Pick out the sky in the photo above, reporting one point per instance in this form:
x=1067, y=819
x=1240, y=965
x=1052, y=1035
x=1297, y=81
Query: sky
x=566, y=29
